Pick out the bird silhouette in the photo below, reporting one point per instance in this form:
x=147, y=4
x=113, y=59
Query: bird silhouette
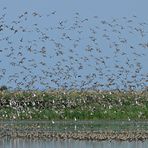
x=72, y=53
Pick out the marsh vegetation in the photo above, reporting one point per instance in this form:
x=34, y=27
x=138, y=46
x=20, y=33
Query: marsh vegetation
x=73, y=105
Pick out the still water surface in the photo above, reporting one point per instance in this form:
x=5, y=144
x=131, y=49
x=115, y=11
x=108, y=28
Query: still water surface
x=98, y=125
x=26, y=143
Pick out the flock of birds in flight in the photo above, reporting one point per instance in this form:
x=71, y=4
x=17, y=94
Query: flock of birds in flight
x=43, y=51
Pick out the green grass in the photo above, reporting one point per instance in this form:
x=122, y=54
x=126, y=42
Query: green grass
x=67, y=105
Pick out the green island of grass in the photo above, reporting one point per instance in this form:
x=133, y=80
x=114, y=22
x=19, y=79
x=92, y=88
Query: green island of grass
x=73, y=105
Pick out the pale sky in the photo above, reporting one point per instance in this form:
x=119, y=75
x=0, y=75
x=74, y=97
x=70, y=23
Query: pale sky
x=65, y=10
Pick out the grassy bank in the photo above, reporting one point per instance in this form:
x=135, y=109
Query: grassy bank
x=82, y=105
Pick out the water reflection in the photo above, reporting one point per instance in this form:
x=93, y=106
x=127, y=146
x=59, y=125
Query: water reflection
x=26, y=143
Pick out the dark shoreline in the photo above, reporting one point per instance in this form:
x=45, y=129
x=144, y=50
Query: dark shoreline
x=97, y=136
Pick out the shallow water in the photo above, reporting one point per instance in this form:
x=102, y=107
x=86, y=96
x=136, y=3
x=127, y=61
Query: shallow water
x=26, y=143
x=100, y=125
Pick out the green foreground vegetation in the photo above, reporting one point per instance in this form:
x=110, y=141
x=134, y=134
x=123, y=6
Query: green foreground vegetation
x=72, y=105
